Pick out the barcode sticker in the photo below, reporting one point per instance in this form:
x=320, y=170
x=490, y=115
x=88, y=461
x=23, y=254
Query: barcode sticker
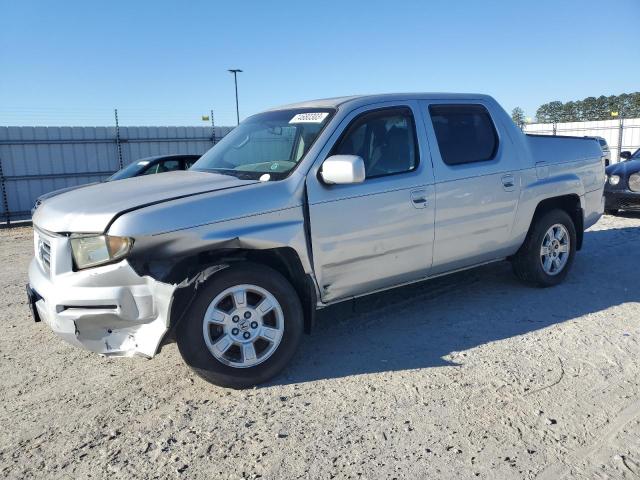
x=311, y=117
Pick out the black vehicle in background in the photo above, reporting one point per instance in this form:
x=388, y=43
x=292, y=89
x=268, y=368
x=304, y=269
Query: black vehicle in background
x=153, y=165
x=143, y=166
x=622, y=189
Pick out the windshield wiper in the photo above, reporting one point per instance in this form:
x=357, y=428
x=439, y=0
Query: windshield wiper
x=223, y=171
x=243, y=175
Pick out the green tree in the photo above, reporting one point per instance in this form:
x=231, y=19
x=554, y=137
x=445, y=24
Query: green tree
x=602, y=111
x=624, y=104
x=517, y=115
x=613, y=105
x=634, y=105
x=542, y=113
x=570, y=112
x=588, y=109
x=591, y=108
x=555, y=111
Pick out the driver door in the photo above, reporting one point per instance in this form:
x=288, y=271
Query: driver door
x=379, y=233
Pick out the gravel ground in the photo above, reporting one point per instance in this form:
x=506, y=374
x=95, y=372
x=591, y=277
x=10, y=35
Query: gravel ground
x=467, y=376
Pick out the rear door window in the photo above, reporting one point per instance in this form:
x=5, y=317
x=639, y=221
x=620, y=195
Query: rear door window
x=465, y=133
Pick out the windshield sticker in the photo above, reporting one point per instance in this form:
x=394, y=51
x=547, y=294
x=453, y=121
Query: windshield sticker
x=311, y=117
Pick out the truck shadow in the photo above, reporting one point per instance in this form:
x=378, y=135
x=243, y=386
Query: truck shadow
x=420, y=325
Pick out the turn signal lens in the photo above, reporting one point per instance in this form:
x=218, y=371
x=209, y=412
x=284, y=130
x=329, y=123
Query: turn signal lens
x=614, y=180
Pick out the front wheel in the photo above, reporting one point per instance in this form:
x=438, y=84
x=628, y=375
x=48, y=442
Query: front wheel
x=243, y=327
x=548, y=251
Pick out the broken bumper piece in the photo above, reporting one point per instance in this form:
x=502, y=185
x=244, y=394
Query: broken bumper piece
x=108, y=310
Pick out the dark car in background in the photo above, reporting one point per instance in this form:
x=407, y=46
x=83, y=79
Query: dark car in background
x=622, y=188
x=143, y=166
x=153, y=165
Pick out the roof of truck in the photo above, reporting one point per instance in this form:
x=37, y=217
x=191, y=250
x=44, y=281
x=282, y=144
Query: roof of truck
x=384, y=97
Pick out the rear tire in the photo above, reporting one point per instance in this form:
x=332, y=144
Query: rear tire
x=238, y=340
x=553, y=233
x=612, y=211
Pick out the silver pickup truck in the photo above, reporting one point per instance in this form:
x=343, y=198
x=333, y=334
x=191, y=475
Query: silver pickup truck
x=300, y=207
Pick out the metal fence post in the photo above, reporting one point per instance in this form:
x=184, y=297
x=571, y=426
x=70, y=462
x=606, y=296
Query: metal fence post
x=555, y=128
x=118, y=144
x=620, y=127
x=213, y=129
x=4, y=195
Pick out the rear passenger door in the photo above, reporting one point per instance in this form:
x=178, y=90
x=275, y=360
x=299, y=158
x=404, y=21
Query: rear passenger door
x=477, y=184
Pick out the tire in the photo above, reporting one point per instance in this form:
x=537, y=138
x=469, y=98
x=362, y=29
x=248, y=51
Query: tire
x=198, y=343
x=528, y=261
x=612, y=211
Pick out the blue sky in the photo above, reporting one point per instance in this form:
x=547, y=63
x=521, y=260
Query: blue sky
x=72, y=62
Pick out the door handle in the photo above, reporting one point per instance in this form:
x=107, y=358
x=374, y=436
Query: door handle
x=508, y=182
x=419, y=198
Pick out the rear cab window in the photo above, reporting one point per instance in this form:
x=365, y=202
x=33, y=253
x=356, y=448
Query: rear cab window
x=465, y=133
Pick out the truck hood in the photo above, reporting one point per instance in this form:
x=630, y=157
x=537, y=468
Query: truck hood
x=92, y=209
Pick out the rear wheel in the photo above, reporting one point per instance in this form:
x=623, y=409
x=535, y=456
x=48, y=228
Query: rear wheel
x=611, y=211
x=548, y=251
x=242, y=328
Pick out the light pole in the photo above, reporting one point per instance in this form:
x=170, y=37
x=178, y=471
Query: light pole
x=235, y=72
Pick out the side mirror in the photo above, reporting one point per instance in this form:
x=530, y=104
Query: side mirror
x=626, y=155
x=343, y=169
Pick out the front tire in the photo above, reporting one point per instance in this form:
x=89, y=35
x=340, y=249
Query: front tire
x=545, y=258
x=243, y=327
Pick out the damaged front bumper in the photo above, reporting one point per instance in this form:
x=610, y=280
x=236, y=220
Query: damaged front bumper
x=108, y=310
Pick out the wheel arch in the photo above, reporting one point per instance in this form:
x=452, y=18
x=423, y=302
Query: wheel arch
x=192, y=271
x=569, y=203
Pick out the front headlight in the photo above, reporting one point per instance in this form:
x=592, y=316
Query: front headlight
x=634, y=182
x=93, y=250
x=614, y=180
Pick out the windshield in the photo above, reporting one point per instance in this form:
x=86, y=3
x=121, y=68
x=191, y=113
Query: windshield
x=636, y=155
x=130, y=170
x=268, y=143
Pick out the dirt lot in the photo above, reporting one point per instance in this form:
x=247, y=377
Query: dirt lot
x=467, y=376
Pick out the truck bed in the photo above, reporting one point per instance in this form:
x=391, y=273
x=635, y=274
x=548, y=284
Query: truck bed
x=561, y=149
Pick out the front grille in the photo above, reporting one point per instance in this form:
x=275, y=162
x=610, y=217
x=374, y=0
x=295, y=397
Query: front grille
x=44, y=253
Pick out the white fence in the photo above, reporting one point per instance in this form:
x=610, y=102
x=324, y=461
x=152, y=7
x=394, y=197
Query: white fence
x=620, y=134
x=37, y=160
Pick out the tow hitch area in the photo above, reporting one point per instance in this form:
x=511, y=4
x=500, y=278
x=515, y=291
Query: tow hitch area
x=33, y=297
